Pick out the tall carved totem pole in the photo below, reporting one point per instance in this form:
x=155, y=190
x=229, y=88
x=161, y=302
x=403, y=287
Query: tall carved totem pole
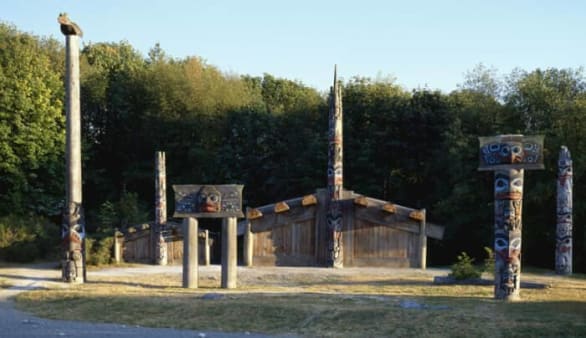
x=563, y=248
x=160, y=209
x=508, y=156
x=335, y=176
x=73, y=228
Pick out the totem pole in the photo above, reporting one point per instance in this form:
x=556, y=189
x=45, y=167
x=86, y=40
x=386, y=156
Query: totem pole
x=563, y=248
x=508, y=156
x=160, y=209
x=73, y=228
x=335, y=176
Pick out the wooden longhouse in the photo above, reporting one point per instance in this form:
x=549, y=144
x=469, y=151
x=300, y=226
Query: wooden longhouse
x=336, y=227
x=374, y=232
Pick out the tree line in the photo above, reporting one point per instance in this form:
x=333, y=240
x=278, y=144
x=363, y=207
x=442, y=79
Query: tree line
x=418, y=148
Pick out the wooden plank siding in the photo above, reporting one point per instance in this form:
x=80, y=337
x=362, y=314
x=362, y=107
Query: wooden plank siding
x=371, y=244
x=290, y=245
x=138, y=248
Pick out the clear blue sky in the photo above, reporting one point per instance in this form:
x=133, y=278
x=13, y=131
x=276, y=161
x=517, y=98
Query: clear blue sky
x=420, y=43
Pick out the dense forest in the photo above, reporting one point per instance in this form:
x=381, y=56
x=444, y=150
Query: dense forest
x=418, y=148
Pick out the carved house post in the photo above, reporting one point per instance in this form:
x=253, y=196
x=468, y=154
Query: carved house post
x=508, y=156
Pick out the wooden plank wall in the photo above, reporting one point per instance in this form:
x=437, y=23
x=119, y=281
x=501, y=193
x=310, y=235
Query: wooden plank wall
x=289, y=245
x=365, y=243
x=137, y=248
x=369, y=244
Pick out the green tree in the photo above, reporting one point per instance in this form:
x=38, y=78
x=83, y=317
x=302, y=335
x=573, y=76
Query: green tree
x=549, y=102
x=32, y=130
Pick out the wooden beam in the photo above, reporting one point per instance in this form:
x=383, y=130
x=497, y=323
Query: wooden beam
x=281, y=207
x=308, y=200
x=253, y=214
x=418, y=215
x=389, y=207
x=361, y=201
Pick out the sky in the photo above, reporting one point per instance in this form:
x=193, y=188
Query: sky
x=421, y=44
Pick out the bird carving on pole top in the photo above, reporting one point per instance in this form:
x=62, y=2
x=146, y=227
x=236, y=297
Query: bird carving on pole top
x=67, y=26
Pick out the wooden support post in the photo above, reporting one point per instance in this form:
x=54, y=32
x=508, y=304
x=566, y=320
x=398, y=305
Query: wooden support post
x=248, y=245
x=509, y=156
x=190, y=253
x=117, y=246
x=206, y=248
x=422, y=242
x=229, y=253
x=160, y=246
x=508, y=194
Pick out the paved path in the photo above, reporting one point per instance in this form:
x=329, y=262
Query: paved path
x=17, y=324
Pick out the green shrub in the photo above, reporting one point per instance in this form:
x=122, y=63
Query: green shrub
x=99, y=250
x=27, y=238
x=464, y=268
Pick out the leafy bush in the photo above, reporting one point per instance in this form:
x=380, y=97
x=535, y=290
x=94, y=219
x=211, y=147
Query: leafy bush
x=464, y=268
x=26, y=238
x=99, y=250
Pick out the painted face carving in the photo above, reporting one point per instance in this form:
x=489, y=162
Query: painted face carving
x=504, y=153
x=508, y=249
x=508, y=185
x=209, y=199
x=509, y=277
x=512, y=151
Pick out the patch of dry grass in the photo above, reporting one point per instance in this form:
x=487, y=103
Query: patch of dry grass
x=329, y=305
x=4, y=284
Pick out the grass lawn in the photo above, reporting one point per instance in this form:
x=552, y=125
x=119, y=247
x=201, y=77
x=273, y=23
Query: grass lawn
x=326, y=305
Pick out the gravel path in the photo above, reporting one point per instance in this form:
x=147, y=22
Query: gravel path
x=14, y=323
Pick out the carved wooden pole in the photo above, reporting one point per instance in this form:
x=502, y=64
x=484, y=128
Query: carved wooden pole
x=229, y=253
x=563, y=248
x=335, y=177
x=508, y=156
x=73, y=232
x=160, y=209
x=190, y=253
x=508, y=206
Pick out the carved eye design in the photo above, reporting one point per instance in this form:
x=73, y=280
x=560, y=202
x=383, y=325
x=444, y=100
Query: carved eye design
x=505, y=150
x=516, y=150
x=515, y=244
x=501, y=244
x=501, y=184
x=518, y=183
x=529, y=146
